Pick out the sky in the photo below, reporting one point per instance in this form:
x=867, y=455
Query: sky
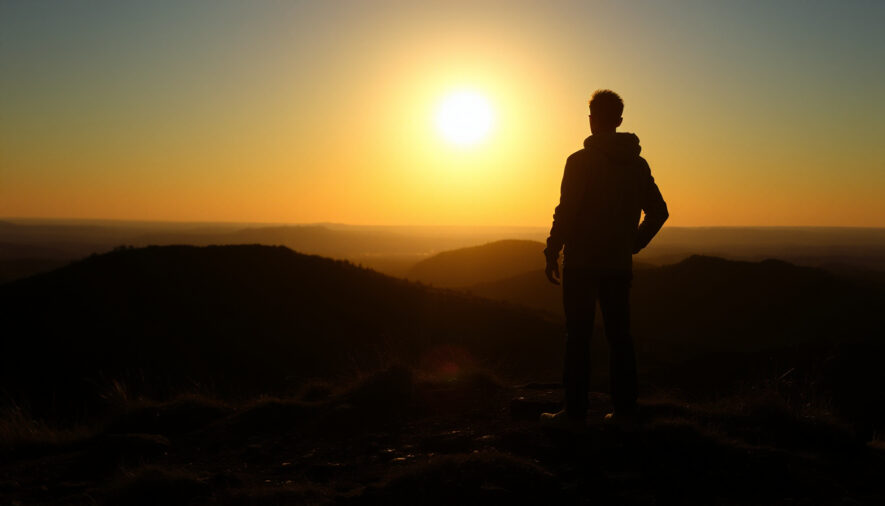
x=749, y=113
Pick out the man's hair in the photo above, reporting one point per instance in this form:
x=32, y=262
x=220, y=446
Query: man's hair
x=606, y=105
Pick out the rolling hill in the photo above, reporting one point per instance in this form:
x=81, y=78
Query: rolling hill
x=707, y=325
x=478, y=264
x=486, y=264
x=712, y=304
x=241, y=319
x=26, y=245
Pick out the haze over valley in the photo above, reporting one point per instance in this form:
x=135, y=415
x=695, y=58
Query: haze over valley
x=31, y=246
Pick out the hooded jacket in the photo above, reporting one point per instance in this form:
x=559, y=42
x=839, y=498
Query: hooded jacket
x=605, y=188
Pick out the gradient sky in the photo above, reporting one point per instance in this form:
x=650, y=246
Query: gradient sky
x=749, y=113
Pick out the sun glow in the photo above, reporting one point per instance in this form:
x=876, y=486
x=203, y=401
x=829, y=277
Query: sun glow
x=464, y=118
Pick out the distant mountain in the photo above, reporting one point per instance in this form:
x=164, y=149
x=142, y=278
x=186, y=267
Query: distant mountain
x=241, y=318
x=479, y=264
x=392, y=250
x=531, y=289
x=312, y=239
x=395, y=250
x=808, y=246
x=22, y=260
x=486, y=264
x=706, y=324
x=712, y=304
x=731, y=305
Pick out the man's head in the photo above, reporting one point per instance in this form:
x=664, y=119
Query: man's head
x=606, y=108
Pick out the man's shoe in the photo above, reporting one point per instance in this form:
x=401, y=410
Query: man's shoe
x=561, y=421
x=621, y=419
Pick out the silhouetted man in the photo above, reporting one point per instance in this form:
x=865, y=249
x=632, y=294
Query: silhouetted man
x=605, y=188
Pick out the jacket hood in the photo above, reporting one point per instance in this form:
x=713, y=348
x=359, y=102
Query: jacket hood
x=617, y=145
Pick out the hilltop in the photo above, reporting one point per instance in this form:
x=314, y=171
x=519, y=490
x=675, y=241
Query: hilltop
x=242, y=319
x=32, y=246
x=744, y=305
x=706, y=325
x=485, y=263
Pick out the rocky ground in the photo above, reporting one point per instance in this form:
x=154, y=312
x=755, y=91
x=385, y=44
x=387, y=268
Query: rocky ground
x=395, y=438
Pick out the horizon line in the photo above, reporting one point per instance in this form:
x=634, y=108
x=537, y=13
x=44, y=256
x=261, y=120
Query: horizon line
x=122, y=221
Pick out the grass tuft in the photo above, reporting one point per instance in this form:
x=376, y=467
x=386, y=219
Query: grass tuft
x=151, y=485
x=481, y=477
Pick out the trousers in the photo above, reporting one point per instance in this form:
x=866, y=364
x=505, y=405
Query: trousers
x=581, y=288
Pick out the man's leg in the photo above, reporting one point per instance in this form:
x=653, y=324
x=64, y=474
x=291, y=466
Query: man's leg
x=579, y=290
x=614, y=301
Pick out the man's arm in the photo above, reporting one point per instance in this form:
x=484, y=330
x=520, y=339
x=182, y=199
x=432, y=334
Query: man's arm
x=570, y=194
x=655, y=212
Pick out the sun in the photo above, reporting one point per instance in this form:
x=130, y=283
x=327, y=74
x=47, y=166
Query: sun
x=464, y=118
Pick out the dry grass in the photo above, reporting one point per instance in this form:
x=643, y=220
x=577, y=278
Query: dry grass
x=19, y=431
x=151, y=485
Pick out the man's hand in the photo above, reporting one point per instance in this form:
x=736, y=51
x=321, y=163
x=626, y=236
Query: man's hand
x=552, y=272
x=637, y=246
